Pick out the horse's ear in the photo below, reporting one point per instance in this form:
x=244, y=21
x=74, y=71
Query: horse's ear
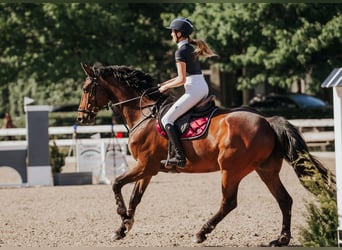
x=87, y=69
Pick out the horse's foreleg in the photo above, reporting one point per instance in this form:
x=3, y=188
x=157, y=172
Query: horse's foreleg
x=121, y=207
x=229, y=202
x=127, y=217
x=273, y=182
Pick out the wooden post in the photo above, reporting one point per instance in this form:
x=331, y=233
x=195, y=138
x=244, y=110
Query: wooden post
x=335, y=80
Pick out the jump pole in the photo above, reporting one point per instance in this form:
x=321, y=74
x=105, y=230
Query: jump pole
x=335, y=80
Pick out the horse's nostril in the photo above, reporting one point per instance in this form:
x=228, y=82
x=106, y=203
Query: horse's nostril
x=79, y=119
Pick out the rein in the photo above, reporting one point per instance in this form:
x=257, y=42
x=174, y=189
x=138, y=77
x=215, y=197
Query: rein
x=123, y=102
x=146, y=117
x=136, y=98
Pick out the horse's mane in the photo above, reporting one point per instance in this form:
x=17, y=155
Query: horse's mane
x=133, y=78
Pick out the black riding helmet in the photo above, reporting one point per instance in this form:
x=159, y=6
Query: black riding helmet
x=183, y=25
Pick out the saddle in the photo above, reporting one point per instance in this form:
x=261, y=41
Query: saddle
x=194, y=123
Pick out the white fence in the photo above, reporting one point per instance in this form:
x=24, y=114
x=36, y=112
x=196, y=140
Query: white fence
x=310, y=128
x=104, y=157
x=315, y=132
x=65, y=131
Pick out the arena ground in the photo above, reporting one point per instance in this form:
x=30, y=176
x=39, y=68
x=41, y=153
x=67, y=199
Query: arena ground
x=174, y=208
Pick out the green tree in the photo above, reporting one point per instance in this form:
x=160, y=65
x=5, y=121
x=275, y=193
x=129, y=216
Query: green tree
x=275, y=44
x=43, y=45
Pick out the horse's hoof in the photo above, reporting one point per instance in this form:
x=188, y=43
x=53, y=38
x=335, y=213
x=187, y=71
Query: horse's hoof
x=282, y=241
x=198, y=238
x=117, y=236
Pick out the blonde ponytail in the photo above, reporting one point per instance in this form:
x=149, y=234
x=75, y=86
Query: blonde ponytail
x=202, y=49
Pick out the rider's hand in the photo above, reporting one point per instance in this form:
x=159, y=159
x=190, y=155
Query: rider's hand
x=162, y=89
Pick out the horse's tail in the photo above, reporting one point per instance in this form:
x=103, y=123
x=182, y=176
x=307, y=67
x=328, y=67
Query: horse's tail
x=290, y=143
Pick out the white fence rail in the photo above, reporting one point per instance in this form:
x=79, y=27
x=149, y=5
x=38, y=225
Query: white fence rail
x=67, y=130
x=313, y=133
x=310, y=128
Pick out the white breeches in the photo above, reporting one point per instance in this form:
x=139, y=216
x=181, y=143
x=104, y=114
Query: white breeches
x=196, y=89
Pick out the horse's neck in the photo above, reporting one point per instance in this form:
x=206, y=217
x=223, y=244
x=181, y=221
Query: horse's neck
x=134, y=114
x=128, y=110
x=131, y=111
x=131, y=116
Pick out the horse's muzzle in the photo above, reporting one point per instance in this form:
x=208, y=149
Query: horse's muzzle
x=80, y=120
x=85, y=117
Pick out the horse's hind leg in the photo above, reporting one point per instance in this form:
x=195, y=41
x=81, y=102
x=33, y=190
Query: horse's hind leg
x=269, y=173
x=230, y=186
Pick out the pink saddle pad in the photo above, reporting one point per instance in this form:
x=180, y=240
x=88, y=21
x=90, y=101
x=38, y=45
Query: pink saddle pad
x=197, y=127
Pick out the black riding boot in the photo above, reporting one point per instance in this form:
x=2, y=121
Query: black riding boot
x=179, y=158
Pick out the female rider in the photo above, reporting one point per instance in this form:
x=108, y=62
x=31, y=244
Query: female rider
x=188, y=74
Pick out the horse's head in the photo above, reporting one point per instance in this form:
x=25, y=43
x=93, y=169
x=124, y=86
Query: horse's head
x=123, y=86
x=94, y=97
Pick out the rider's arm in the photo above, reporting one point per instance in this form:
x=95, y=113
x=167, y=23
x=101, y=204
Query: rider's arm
x=179, y=80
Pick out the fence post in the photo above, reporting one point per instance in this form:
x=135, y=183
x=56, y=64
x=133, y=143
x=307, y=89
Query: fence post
x=38, y=167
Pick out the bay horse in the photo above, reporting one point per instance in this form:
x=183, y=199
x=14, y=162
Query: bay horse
x=238, y=141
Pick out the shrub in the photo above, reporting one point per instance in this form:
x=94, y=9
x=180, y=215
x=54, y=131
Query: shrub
x=322, y=220
x=322, y=223
x=57, y=158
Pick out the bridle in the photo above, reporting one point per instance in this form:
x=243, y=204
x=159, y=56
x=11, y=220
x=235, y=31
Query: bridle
x=95, y=109
x=92, y=93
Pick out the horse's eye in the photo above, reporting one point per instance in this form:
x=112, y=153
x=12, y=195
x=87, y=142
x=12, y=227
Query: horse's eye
x=85, y=90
